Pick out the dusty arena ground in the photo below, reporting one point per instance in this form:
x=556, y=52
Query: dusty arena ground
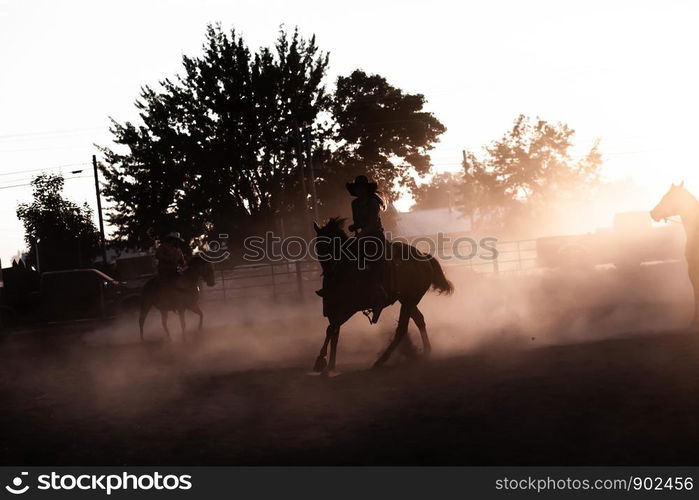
x=240, y=393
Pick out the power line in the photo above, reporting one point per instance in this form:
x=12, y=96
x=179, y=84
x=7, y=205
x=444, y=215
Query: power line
x=49, y=148
x=46, y=168
x=29, y=183
x=49, y=133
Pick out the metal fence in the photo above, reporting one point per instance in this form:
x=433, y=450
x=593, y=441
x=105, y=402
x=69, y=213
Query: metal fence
x=294, y=280
x=274, y=280
x=509, y=257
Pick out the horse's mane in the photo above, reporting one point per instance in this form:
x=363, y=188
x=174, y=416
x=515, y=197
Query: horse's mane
x=689, y=195
x=335, y=226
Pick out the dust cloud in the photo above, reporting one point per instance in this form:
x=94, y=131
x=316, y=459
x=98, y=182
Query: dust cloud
x=108, y=370
x=518, y=311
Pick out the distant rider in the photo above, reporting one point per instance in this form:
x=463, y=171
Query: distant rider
x=170, y=257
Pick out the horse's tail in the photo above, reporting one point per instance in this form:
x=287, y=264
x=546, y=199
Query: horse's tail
x=439, y=280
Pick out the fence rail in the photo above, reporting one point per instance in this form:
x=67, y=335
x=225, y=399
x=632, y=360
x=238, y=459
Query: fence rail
x=297, y=279
x=273, y=280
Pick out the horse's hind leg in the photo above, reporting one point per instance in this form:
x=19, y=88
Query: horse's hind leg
x=163, y=320
x=405, y=314
x=145, y=307
x=333, y=349
x=183, y=325
x=332, y=335
x=197, y=310
x=419, y=320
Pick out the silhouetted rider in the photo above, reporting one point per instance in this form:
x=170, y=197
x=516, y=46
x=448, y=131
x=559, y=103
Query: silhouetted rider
x=170, y=257
x=366, y=214
x=366, y=207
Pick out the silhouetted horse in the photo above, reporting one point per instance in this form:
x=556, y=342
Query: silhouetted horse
x=179, y=295
x=679, y=201
x=412, y=275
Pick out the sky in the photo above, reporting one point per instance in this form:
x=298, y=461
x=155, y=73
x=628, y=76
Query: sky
x=622, y=71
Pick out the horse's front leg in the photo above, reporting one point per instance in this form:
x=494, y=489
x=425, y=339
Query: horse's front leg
x=181, y=313
x=321, y=363
x=163, y=320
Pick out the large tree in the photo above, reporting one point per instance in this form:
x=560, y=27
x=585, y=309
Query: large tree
x=61, y=231
x=438, y=192
x=225, y=147
x=219, y=147
x=526, y=172
x=380, y=131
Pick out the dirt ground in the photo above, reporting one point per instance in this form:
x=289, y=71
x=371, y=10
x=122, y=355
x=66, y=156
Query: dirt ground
x=229, y=397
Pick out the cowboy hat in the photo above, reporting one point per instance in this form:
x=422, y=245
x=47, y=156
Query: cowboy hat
x=174, y=236
x=361, y=181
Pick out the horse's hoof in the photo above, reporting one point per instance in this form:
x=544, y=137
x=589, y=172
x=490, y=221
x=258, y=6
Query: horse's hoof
x=320, y=365
x=331, y=373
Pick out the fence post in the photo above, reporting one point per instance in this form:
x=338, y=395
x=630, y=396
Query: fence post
x=299, y=279
x=496, y=264
x=519, y=255
x=223, y=285
x=274, y=282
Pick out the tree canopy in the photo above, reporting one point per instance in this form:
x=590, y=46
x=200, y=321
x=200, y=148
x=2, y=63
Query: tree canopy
x=523, y=174
x=225, y=146
x=217, y=149
x=62, y=231
x=438, y=192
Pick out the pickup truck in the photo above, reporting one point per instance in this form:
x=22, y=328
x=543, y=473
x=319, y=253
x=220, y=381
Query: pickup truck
x=76, y=294
x=631, y=240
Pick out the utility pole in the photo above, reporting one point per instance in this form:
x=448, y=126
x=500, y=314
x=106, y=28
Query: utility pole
x=470, y=188
x=312, y=176
x=99, y=210
x=38, y=258
x=302, y=178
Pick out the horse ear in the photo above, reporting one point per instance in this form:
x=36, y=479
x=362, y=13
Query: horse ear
x=316, y=226
x=681, y=184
